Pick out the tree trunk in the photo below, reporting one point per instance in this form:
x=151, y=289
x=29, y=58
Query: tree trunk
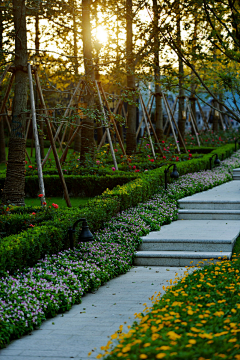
x=13, y=191
x=181, y=115
x=131, y=118
x=2, y=136
x=215, y=126
x=158, y=97
x=87, y=138
x=193, y=84
x=2, y=143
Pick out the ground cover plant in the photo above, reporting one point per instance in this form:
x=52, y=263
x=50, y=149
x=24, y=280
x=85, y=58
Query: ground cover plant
x=196, y=319
x=55, y=283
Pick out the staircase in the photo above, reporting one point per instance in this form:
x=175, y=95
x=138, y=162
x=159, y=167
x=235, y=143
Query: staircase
x=236, y=174
x=210, y=226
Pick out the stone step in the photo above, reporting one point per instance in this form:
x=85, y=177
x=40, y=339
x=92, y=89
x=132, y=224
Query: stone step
x=209, y=205
x=236, y=176
x=178, y=258
x=186, y=245
x=193, y=235
x=236, y=171
x=191, y=214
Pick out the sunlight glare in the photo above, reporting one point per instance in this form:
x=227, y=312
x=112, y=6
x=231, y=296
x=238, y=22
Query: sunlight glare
x=101, y=35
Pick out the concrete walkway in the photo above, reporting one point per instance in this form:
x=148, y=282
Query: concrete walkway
x=88, y=326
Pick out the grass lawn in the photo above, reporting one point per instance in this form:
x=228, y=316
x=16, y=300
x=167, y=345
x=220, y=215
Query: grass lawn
x=75, y=201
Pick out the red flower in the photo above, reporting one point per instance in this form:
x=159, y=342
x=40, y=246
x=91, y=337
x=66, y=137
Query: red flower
x=33, y=213
x=40, y=195
x=163, y=142
x=31, y=225
x=188, y=150
x=25, y=162
x=137, y=170
x=189, y=158
x=152, y=160
x=164, y=149
x=177, y=158
x=44, y=203
x=190, y=155
x=115, y=150
x=129, y=166
x=134, y=167
x=30, y=166
x=164, y=157
x=55, y=206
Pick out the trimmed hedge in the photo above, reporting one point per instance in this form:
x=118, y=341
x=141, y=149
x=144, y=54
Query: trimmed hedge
x=26, y=248
x=78, y=185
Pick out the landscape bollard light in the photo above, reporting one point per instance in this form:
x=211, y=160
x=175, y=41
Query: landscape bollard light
x=85, y=234
x=235, y=141
x=216, y=161
x=174, y=174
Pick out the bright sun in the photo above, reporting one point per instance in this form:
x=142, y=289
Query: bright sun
x=101, y=35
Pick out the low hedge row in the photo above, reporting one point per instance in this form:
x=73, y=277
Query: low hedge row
x=78, y=185
x=26, y=248
x=146, y=184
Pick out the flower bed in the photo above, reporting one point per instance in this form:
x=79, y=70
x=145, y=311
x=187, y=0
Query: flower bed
x=197, y=319
x=58, y=281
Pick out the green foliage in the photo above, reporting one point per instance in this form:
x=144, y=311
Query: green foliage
x=27, y=247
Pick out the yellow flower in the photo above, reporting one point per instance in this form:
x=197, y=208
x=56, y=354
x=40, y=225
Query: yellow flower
x=114, y=336
x=192, y=341
x=173, y=336
x=99, y=356
x=146, y=345
x=232, y=340
x=143, y=356
x=164, y=347
x=160, y=356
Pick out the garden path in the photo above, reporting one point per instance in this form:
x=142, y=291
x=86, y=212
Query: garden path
x=88, y=326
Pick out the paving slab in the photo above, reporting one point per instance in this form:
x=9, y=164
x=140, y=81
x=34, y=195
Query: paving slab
x=225, y=193
x=88, y=326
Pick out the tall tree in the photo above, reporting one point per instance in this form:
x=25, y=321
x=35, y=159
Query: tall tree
x=130, y=68
x=87, y=138
x=181, y=95
x=13, y=191
x=158, y=98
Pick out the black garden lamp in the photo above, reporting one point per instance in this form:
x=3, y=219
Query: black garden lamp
x=84, y=236
x=174, y=174
x=216, y=161
x=235, y=141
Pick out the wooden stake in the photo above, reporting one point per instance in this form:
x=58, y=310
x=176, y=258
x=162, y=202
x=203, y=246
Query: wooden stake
x=193, y=124
x=107, y=127
x=64, y=154
x=50, y=135
x=151, y=98
x=169, y=116
x=150, y=122
x=105, y=134
x=147, y=127
x=202, y=113
x=60, y=126
x=173, y=111
x=5, y=99
x=4, y=74
x=35, y=132
x=112, y=119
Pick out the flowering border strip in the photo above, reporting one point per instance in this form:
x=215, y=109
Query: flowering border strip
x=57, y=282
